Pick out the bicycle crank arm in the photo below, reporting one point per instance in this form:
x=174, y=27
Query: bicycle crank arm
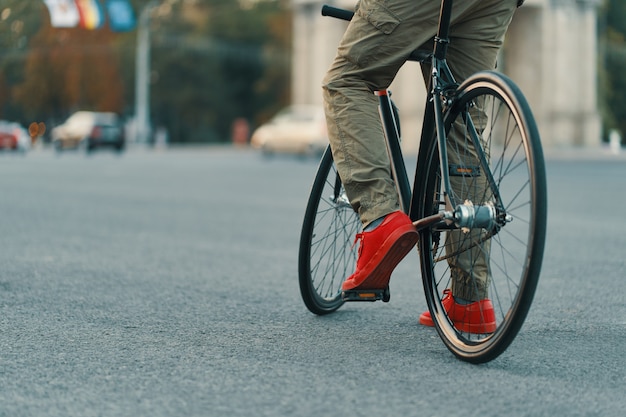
x=429, y=221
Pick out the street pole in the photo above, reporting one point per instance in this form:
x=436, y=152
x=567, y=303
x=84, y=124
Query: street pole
x=142, y=76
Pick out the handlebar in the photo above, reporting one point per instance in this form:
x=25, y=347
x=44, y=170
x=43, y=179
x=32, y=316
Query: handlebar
x=337, y=12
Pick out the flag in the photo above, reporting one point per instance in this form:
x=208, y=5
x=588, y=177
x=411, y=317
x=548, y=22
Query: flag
x=121, y=15
x=63, y=13
x=91, y=14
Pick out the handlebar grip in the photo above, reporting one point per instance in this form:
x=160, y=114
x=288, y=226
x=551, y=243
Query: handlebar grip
x=337, y=12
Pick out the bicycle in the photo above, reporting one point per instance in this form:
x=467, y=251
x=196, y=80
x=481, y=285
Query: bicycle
x=478, y=197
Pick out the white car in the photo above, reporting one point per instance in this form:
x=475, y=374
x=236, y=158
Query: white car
x=299, y=129
x=90, y=130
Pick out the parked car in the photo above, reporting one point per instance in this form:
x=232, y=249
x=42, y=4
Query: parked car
x=89, y=130
x=14, y=136
x=299, y=129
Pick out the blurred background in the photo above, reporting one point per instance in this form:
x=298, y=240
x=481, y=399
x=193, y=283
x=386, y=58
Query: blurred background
x=175, y=72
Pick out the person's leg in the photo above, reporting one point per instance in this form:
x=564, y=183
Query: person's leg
x=376, y=44
x=475, y=41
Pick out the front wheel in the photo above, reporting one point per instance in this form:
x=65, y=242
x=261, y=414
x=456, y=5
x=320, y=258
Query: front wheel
x=494, y=159
x=327, y=254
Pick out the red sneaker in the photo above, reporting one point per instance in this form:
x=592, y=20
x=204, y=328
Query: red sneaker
x=380, y=251
x=477, y=317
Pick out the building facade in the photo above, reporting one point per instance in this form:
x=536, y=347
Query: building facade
x=550, y=52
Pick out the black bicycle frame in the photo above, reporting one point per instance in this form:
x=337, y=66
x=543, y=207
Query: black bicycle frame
x=398, y=168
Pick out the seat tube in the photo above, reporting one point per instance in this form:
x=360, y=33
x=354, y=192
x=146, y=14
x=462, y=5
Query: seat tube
x=398, y=168
x=443, y=30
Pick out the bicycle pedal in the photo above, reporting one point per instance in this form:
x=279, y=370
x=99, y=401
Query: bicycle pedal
x=367, y=295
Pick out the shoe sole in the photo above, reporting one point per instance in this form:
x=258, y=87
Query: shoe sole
x=477, y=328
x=481, y=328
x=386, y=260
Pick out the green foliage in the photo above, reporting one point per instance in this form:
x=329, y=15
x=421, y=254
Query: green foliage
x=19, y=21
x=213, y=69
x=612, y=24
x=616, y=16
x=212, y=61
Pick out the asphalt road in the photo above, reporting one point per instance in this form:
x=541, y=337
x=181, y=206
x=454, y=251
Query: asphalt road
x=165, y=284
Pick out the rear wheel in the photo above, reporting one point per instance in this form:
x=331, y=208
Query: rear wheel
x=494, y=161
x=327, y=254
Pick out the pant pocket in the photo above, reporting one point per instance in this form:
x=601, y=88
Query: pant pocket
x=378, y=15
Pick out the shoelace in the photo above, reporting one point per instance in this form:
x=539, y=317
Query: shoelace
x=357, y=238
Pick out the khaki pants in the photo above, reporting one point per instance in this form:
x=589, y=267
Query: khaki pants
x=376, y=44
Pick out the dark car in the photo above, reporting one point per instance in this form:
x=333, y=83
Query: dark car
x=89, y=130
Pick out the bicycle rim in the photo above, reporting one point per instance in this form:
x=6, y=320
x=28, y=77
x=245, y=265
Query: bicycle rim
x=327, y=254
x=503, y=263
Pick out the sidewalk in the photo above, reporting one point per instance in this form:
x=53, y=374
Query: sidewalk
x=602, y=152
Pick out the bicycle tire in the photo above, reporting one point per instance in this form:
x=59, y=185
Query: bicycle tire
x=327, y=254
x=511, y=252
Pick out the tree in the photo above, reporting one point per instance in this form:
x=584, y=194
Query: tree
x=613, y=61
x=61, y=69
x=71, y=69
x=213, y=61
x=19, y=21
